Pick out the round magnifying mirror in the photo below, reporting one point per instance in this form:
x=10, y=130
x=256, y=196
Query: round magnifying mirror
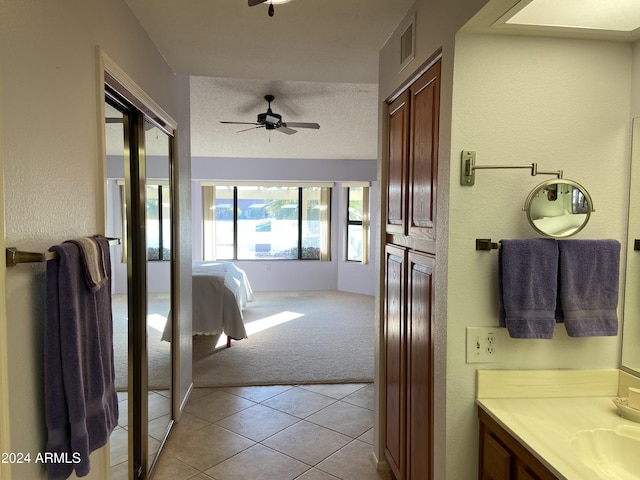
x=558, y=208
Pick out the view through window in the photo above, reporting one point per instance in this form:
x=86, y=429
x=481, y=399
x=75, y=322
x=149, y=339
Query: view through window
x=158, y=222
x=357, y=225
x=256, y=222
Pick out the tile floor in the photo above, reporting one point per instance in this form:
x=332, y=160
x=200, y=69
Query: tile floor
x=307, y=432
x=159, y=410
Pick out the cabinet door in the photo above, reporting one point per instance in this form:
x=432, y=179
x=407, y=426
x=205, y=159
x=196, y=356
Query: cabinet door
x=503, y=457
x=394, y=338
x=420, y=367
x=523, y=473
x=496, y=460
x=398, y=164
x=423, y=167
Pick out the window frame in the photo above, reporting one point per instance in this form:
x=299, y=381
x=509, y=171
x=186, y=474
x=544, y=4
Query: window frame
x=363, y=223
x=209, y=237
x=161, y=247
x=123, y=219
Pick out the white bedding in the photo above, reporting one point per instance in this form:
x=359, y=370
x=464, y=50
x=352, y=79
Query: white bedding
x=220, y=291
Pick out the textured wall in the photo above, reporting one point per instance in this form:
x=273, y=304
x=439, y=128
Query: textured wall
x=559, y=102
x=52, y=164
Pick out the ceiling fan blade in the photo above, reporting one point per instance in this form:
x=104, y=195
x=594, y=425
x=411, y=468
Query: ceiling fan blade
x=242, y=123
x=252, y=128
x=301, y=125
x=289, y=131
x=253, y=3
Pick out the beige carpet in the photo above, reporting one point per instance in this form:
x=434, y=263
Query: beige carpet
x=294, y=338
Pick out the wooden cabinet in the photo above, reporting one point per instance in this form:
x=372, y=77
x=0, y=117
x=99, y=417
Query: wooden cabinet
x=409, y=362
x=409, y=273
x=412, y=166
x=502, y=457
x=395, y=334
x=398, y=164
x=423, y=155
x=419, y=344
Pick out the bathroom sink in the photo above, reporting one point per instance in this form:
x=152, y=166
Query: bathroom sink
x=613, y=454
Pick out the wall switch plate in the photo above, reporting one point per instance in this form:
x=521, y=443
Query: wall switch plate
x=484, y=344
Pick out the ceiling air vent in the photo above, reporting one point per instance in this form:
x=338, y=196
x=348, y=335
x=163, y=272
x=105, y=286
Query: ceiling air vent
x=407, y=45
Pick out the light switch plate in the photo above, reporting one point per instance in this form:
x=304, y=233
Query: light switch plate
x=484, y=344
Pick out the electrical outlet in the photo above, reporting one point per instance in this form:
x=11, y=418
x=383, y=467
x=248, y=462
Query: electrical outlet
x=483, y=345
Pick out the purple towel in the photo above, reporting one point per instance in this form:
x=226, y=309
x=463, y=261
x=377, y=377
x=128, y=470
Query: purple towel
x=527, y=276
x=588, y=287
x=81, y=404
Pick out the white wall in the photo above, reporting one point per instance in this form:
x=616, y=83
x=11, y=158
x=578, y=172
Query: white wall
x=183, y=363
x=559, y=102
x=288, y=274
x=631, y=353
x=52, y=165
x=635, y=82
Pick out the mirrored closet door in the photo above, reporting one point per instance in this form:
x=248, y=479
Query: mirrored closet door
x=139, y=211
x=158, y=228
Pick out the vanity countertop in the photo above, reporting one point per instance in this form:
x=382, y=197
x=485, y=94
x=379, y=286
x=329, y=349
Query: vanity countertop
x=544, y=410
x=547, y=426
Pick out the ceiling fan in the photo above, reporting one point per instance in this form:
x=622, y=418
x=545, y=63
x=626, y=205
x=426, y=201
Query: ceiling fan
x=273, y=121
x=253, y=3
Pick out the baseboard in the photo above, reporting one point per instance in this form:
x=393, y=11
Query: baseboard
x=183, y=405
x=381, y=465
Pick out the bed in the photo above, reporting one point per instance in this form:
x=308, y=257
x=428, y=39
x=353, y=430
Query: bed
x=221, y=290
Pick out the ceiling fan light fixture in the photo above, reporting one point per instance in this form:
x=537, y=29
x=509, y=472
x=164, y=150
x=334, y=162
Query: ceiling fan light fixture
x=253, y=3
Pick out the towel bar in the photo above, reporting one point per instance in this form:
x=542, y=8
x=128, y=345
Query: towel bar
x=487, y=244
x=15, y=256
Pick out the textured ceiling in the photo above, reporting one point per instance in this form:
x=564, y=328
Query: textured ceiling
x=313, y=40
x=346, y=112
x=318, y=57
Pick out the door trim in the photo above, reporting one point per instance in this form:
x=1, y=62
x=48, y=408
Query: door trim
x=5, y=417
x=136, y=95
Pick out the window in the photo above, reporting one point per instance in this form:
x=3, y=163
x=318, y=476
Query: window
x=258, y=222
x=158, y=223
x=357, y=214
